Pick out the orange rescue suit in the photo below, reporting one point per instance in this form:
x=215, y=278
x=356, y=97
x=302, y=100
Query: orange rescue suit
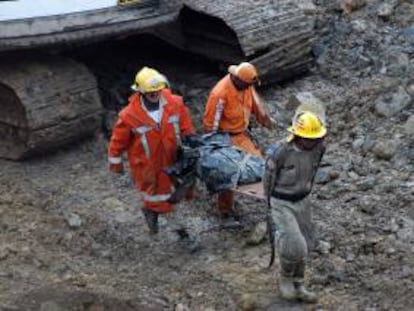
x=151, y=147
x=229, y=110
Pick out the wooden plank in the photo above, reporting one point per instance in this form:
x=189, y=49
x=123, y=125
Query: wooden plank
x=252, y=190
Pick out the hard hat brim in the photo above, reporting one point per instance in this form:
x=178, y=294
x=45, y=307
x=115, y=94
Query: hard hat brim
x=320, y=134
x=136, y=88
x=156, y=89
x=233, y=70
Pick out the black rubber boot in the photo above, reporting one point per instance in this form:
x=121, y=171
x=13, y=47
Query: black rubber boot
x=188, y=242
x=151, y=218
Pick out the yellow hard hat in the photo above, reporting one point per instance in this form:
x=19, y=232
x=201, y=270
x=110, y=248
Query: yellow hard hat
x=149, y=80
x=308, y=125
x=245, y=72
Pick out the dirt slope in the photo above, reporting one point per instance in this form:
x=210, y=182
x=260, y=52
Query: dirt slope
x=72, y=237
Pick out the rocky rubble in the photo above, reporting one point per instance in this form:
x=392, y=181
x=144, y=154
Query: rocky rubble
x=72, y=237
x=368, y=60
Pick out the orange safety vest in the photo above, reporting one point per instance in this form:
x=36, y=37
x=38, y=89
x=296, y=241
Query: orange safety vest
x=151, y=147
x=229, y=110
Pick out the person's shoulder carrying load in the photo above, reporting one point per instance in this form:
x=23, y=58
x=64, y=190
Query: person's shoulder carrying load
x=222, y=166
x=216, y=162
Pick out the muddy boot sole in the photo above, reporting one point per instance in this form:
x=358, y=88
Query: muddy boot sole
x=304, y=295
x=307, y=297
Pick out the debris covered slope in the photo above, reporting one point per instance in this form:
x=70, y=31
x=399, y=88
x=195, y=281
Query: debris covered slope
x=73, y=238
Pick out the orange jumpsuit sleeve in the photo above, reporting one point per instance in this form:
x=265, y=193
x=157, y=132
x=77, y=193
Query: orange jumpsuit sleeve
x=213, y=113
x=261, y=115
x=121, y=135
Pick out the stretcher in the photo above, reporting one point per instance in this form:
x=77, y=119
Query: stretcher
x=254, y=190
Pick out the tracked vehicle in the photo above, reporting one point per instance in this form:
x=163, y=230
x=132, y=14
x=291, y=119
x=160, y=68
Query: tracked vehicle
x=48, y=99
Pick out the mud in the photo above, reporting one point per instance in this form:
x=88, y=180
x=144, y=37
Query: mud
x=73, y=238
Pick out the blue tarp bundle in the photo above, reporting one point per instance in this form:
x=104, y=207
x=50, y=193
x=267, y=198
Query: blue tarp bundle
x=223, y=166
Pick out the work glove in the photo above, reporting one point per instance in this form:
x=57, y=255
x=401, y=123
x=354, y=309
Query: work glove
x=118, y=177
x=116, y=168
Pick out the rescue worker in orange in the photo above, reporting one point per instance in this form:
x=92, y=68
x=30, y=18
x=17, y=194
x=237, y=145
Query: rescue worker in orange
x=230, y=106
x=150, y=129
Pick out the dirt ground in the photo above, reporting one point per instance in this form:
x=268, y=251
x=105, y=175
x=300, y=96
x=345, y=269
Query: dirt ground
x=73, y=238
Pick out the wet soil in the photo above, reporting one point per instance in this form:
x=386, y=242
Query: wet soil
x=73, y=237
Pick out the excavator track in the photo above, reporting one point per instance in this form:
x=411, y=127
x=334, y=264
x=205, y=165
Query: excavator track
x=274, y=35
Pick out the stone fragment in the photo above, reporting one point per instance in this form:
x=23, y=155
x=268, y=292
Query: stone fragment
x=391, y=104
x=247, y=302
x=181, y=307
x=409, y=126
x=349, y=6
x=73, y=220
x=258, y=234
x=385, y=149
x=385, y=10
